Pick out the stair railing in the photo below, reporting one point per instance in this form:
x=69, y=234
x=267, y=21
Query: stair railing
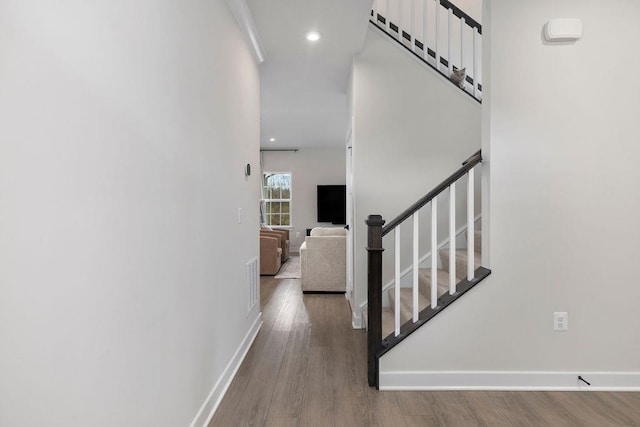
x=377, y=229
x=438, y=32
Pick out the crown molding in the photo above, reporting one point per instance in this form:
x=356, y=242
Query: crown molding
x=248, y=27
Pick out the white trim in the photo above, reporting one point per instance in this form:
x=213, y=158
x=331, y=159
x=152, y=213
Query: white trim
x=510, y=380
x=220, y=388
x=248, y=27
x=356, y=321
x=268, y=200
x=361, y=308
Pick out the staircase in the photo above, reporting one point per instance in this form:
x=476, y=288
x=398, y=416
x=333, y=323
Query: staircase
x=446, y=39
x=432, y=289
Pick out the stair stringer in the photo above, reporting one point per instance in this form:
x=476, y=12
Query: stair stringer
x=390, y=343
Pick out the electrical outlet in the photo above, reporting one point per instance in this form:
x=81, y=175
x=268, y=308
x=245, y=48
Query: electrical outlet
x=297, y=234
x=240, y=216
x=560, y=321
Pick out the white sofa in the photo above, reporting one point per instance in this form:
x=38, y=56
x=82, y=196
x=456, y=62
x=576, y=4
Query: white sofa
x=323, y=260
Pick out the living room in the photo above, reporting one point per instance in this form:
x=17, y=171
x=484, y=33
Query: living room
x=309, y=167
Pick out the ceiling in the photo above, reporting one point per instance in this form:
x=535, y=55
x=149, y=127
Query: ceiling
x=304, y=84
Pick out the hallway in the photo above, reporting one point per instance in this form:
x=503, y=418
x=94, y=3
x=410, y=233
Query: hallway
x=307, y=366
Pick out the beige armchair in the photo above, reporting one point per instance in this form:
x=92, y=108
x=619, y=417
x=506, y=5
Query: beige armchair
x=283, y=235
x=270, y=255
x=323, y=261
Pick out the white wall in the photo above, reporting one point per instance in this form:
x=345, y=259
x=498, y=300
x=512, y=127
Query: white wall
x=309, y=167
x=412, y=129
x=125, y=130
x=561, y=141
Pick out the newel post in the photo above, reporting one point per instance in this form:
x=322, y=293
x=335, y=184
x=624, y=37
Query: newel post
x=374, y=295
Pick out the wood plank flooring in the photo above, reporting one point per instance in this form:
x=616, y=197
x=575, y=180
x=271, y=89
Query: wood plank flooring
x=307, y=367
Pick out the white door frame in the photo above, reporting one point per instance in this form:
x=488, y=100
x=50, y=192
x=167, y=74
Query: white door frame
x=350, y=215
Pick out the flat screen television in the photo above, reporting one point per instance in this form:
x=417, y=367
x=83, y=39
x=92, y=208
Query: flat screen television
x=332, y=204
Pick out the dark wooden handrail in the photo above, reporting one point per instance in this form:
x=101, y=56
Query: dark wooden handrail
x=460, y=14
x=456, y=11
x=477, y=153
x=468, y=164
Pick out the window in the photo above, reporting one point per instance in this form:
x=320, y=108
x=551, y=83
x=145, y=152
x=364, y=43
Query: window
x=276, y=190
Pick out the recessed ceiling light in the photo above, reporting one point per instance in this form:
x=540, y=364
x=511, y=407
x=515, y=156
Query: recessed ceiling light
x=272, y=140
x=313, y=36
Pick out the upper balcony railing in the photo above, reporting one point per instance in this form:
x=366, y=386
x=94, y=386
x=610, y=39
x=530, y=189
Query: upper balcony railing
x=439, y=33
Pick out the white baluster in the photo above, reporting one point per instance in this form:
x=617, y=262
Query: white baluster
x=416, y=265
x=434, y=253
x=452, y=239
x=470, y=225
x=425, y=34
x=387, y=15
x=437, y=34
x=476, y=66
x=400, y=20
x=374, y=8
x=462, y=25
x=412, y=27
x=397, y=282
x=450, y=42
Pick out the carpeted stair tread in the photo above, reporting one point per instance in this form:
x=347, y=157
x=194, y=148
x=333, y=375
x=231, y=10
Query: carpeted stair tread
x=424, y=275
x=387, y=321
x=388, y=324
x=406, y=303
x=461, y=261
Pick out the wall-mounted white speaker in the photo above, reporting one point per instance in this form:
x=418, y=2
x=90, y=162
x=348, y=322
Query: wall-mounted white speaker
x=563, y=30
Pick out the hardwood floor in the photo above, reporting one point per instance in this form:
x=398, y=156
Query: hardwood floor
x=307, y=367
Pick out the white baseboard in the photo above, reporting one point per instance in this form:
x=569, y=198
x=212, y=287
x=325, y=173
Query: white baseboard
x=356, y=321
x=512, y=380
x=208, y=408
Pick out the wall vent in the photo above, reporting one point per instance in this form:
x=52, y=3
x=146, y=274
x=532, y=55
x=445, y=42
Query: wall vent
x=252, y=284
